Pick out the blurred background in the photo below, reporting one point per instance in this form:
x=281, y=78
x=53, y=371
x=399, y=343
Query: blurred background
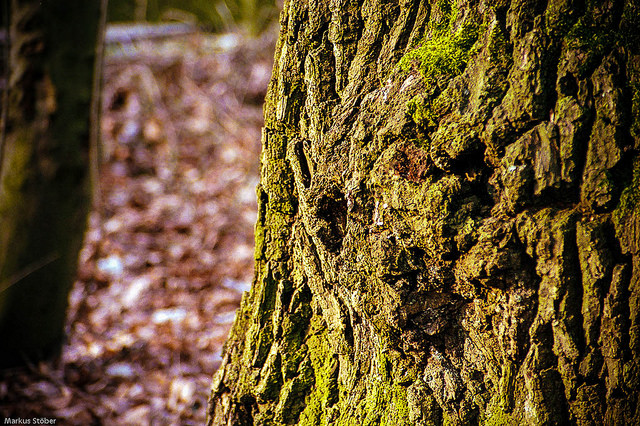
x=252, y=16
x=168, y=251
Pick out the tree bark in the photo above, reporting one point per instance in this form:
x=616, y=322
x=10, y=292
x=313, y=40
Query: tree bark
x=44, y=188
x=448, y=229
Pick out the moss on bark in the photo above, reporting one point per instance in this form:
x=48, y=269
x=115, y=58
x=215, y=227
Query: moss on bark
x=462, y=234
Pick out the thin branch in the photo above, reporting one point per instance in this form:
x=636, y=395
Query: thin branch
x=95, y=147
x=28, y=270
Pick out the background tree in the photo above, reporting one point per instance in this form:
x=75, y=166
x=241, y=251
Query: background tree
x=44, y=168
x=448, y=227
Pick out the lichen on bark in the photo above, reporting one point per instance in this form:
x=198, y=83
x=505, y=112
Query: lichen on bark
x=448, y=229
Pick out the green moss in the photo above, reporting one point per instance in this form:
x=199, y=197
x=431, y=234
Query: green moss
x=420, y=108
x=426, y=112
x=325, y=368
x=291, y=400
x=498, y=417
x=500, y=410
x=398, y=412
x=273, y=238
x=443, y=55
x=507, y=382
x=439, y=57
x=271, y=379
x=447, y=420
x=260, y=335
x=386, y=402
x=293, y=330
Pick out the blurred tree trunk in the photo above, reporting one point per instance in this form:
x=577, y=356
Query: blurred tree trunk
x=44, y=169
x=449, y=230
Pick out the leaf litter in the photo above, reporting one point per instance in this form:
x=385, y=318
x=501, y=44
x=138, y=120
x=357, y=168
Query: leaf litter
x=168, y=251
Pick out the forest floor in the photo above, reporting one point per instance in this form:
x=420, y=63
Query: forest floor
x=169, y=248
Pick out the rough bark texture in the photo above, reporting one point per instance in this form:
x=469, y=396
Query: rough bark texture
x=448, y=228
x=43, y=170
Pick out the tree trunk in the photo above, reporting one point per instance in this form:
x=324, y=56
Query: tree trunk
x=43, y=169
x=448, y=228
